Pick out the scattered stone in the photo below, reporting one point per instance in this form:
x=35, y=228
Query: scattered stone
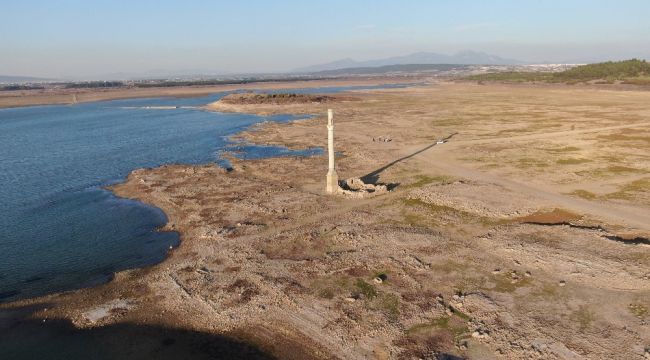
x=111, y=308
x=382, y=139
x=356, y=188
x=448, y=312
x=480, y=334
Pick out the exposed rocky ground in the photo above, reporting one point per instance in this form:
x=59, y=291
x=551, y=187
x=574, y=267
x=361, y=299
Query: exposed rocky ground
x=456, y=261
x=279, y=98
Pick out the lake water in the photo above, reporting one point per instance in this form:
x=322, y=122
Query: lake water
x=59, y=229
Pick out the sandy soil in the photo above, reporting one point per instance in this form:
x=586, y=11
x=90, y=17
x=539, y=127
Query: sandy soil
x=525, y=236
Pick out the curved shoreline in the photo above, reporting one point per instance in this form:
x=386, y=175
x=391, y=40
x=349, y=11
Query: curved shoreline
x=431, y=267
x=13, y=99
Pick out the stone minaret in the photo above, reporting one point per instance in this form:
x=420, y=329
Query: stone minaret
x=332, y=177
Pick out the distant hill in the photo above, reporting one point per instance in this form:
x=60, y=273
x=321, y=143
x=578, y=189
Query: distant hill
x=11, y=79
x=463, y=58
x=407, y=68
x=632, y=71
x=619, y=70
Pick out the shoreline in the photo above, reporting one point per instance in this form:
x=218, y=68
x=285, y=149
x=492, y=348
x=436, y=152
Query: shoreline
x=266, y=257
x=27, y=98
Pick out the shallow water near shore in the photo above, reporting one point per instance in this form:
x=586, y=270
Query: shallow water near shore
x=59, y=229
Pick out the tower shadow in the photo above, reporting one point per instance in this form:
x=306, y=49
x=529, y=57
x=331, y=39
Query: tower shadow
x=373, y=177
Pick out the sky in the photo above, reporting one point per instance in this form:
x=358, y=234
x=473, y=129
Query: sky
x=97, y=38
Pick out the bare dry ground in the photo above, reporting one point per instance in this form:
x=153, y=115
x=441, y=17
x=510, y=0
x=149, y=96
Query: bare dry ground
x=525, y=236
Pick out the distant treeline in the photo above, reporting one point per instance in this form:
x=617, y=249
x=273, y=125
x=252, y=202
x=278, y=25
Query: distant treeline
x=21, y=87
x=158, y=83
x=94, y=84
x=628, y=71
x=164, y=83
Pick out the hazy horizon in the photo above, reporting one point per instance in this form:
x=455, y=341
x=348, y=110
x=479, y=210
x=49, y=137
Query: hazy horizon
x=74, y=39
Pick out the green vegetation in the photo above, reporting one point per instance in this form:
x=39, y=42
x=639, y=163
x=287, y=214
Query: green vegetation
x=15, y=87
x=584, y=316
x=456, y=326
x=389, y=304
x=173, y=83
x=572, y=161
x=638, y=310
x=95, y=84
x=627, y=191
x=563, y=149
x=588, y=195
x=628, y=71
x=366, y=289
x=422, y=180
x=512, y=76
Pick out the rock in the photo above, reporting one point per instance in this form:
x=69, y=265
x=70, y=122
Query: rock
x=562, y=283
x=448, y=312
x=496, y=271
x=350, y=299
x=378, y=280
x=355, y=187
x=527, y=274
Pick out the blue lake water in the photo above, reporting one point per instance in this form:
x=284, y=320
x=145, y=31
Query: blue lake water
x=59, y=229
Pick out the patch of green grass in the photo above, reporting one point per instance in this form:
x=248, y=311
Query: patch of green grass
x=457, y=326
x=623, y=137
x=584, y=194
x=435, y=208
x=547, y=291
x=584, y=317
x=609, y=171
x=638, y=310
x=389, y=304
x=572, y=161
x=328, y=287
x=563, y=149
x=512, y=76
x=422, y=180
x=529, y=163
x=504, y=283
x=448, y=266
x=628, y=190
x=365, y=289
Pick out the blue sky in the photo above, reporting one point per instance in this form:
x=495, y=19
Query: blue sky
x=94, y=38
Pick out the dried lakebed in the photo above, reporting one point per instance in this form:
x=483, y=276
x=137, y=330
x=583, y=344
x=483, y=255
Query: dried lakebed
x=449, y=263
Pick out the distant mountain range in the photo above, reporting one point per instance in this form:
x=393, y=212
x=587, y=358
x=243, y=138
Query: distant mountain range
x=405, y=68
x=466, y=57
